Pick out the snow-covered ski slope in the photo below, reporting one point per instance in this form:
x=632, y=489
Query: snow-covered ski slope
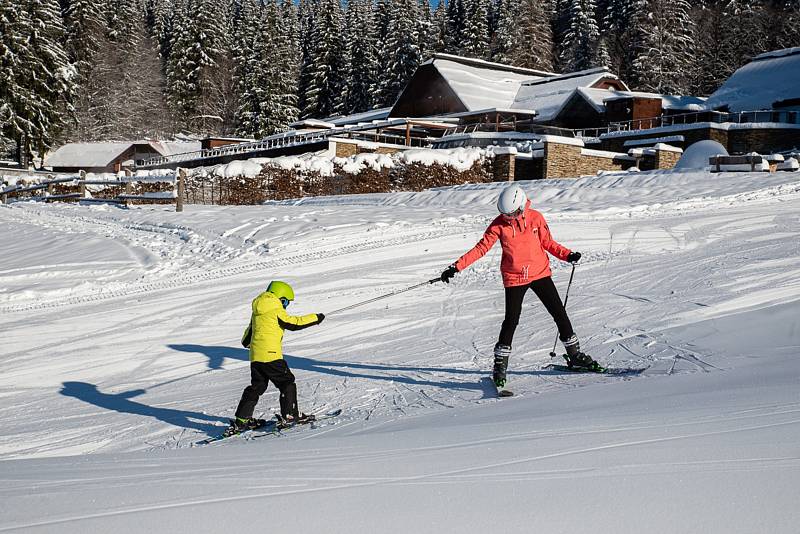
x=120, y=350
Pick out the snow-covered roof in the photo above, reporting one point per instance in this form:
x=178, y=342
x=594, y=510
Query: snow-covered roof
x=549, y=95
x=769, y=79
x=314, y=124
x=357, y=118
x=483, y=84
x=87, y=155
x=675, y=102
x=169, y=148
x=598, y=97
x=103, y=154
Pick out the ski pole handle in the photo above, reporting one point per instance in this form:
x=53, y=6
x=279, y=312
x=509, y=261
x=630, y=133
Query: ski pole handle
x=431, y=281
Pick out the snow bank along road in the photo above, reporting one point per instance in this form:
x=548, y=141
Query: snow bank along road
x=120, y=351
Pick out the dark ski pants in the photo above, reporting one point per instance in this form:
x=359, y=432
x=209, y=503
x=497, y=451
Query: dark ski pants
x=546, y=290
x=261, y=374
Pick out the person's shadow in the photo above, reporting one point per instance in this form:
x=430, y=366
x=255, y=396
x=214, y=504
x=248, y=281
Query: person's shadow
x=391, y=373
x=122, y=403
x=216, y=355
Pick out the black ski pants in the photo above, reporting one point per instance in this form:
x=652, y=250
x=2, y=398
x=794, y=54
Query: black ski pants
x=546, y=290
x=261, y=374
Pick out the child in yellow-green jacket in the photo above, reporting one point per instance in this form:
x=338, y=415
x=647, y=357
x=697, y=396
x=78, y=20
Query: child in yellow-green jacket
x=264, y=337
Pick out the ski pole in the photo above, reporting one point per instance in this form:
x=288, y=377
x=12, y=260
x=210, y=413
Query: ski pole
x=393, y=293
x=566, y=298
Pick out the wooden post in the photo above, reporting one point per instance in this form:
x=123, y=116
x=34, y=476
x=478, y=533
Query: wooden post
x=181, y=189
x=408, y=134
x=82, y=183
x=128, y=187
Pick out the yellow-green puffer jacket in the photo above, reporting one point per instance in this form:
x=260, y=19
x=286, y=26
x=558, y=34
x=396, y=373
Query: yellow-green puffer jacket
x=264, y=334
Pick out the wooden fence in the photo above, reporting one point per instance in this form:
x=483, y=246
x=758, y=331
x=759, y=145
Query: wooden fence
x=125, y=190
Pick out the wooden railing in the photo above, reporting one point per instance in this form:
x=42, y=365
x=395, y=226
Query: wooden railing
x=283, y=140
x=74, y=188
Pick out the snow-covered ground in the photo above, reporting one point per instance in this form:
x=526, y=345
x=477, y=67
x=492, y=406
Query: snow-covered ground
x=120, y=350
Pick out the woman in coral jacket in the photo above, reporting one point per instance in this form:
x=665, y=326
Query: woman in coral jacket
x=526, y=240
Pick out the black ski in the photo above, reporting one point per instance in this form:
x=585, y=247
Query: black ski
x=596, y=370
x=277, y=427
x=225, y=435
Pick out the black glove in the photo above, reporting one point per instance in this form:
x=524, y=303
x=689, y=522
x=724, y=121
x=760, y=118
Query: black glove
x=449, y=273
x=574, y=257
x=320, y=317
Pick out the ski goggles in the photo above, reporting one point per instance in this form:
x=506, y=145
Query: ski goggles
x=285, y=302
x=513, y=215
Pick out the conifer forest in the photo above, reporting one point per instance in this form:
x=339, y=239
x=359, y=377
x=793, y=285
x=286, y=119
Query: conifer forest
x=86, y=70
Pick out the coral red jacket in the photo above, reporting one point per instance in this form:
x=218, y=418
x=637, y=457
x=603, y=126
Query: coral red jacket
x=524, y=241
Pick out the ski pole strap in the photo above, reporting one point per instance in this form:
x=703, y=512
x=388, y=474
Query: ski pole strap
x=393, y=293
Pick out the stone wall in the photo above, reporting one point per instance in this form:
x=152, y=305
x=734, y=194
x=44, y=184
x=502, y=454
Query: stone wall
x=561, y=161
x=666, y=159
x=572, y=161
x=616, y=143
x=344, y=148
x=762, y=140
x=504, y=164
x=736, y=138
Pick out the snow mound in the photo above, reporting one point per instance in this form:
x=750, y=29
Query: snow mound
x=460, y=158
x=696, y=155
x=356, y=164
x=247, y=168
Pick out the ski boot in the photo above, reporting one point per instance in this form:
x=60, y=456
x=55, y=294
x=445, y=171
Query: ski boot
x=501, y=354
x=286, y=421
x=577, y=359
x=240, y=425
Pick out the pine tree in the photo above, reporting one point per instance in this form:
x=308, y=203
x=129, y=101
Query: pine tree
x=362, y=51
x=385, y=13
x=327, y=66
x=245, y=51
x=745, y=31
x=504, y=42
x=475, y=39
x=123, y=22
x=524, y=35
x=195, y=47
x=83, y=26
x=164, y=16
x=17, y=104
x=581, y=38
x=307, y=22
x=712, y=52
x=789, y=34
x=456, y=26
x=664, y=54
x=403, y=40
x=48, y=84
x=621, y=34
x=439, y=29
x=427, y=30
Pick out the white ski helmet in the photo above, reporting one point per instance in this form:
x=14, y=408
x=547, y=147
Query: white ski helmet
x=511, y=200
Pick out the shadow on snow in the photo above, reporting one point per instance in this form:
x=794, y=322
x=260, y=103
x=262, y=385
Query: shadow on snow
x=392, y=373
x=122, y=403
